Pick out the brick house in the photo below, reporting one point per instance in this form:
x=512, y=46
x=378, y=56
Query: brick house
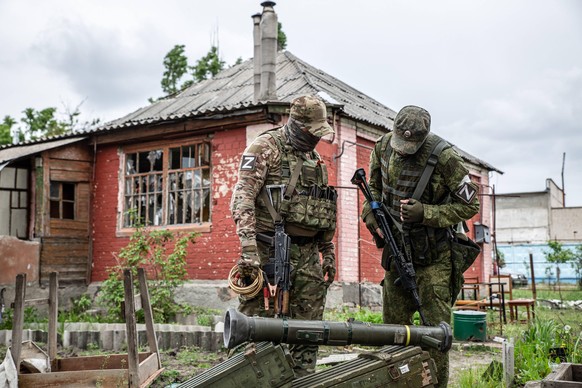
x=175, y=163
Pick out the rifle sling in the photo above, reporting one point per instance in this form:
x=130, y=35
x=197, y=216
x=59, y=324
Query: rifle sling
x=289, y=189
x=428, y=169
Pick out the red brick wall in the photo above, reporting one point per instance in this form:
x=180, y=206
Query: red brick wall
x=105, y=192
x=214, y=253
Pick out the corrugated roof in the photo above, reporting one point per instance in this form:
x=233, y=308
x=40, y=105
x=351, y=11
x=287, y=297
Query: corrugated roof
x=20, y=151
x=233, y=88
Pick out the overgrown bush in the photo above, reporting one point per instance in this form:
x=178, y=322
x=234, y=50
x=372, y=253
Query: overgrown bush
x=165, y=268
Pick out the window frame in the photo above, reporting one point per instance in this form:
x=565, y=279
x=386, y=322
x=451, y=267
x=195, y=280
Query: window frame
x=165, y=147
x=23, y=203
x=61, y=200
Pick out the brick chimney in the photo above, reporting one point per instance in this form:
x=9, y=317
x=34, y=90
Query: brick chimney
x=268, y=33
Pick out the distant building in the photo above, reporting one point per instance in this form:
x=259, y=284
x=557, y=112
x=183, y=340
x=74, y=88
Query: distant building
x=525, y=222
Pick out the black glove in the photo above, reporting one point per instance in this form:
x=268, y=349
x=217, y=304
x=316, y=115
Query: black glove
x=411, y=211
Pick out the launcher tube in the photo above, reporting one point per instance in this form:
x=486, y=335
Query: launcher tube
x=238, y=328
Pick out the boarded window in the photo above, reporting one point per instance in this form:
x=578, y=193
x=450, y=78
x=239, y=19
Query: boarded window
x=62, y=200
x=14, y=202
x=168, y=186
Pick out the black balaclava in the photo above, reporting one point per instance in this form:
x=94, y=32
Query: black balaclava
x=299, y=137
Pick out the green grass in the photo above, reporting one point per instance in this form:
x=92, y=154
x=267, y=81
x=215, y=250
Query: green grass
x=481, y=377
x=359, y=314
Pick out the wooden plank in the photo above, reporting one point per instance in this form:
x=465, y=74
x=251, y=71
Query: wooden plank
x=70, y=176
x=131, y=329
x=79, y=378
x=35, y=302
x=70, y=165
x=83, y=202
x=137, y=303
x=61, y=268
x=175, y=130
x=53, y=302
x=152, y=378
x=110, y=361
x=18, y=318
x=148, y=315
x=148, y=367
x=68, y=228
x=81, y=151
x=68, y=256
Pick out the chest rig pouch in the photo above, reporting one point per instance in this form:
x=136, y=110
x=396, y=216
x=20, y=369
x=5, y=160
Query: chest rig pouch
x=423, y=244
x=309, y=204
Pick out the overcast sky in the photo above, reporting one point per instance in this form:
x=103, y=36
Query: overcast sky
x=501, y=79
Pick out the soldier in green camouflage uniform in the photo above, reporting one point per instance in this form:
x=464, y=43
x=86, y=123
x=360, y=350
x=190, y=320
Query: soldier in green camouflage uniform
x=396, y=165
x=308, y=212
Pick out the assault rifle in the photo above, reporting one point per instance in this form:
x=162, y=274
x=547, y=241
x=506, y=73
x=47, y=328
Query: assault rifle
x=406, y=274
x=279, y=269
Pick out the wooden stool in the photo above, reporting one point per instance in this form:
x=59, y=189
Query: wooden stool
x=527, y=303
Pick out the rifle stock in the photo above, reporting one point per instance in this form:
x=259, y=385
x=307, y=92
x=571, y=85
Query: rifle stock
x=406, y=273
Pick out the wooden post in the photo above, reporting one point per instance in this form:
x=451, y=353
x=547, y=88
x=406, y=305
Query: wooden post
x=53, y=303
x=18, y=322
x=148, y=315
x=131, y=329
x=507, y=356
x=533, y=278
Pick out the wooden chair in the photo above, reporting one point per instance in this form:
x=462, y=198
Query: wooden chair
x=470, y=295
x=513, y=304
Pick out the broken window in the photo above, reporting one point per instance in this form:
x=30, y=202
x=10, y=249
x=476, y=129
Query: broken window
x=14, y=202
x=168, y=186
x=62, y=200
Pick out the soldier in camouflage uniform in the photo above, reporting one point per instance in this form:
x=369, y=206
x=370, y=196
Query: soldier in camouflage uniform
x=396, y=165
x=307, y=205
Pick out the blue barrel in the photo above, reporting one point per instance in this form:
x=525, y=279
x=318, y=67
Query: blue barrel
x=469, y=325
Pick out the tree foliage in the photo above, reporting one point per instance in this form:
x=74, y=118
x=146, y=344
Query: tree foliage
x=6, y=130
x=557, y=255
x=37, y=124
x=577, y=264
x=208, y=66
x=281, y=38
x=178, y=74
x=176, y=65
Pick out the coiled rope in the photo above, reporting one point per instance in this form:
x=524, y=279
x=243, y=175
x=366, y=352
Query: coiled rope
x=236, y=283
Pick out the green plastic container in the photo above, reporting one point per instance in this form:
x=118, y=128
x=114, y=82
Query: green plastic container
x=469, y=325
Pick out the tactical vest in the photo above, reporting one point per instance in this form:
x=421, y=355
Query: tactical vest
x=425, y=241
x=311, y=206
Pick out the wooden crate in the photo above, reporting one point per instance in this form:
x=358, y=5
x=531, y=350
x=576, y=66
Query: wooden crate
x=567, y=375
x=94, y=371
x=131, y=369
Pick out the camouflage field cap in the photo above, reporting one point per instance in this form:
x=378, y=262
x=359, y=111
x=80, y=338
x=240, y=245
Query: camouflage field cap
x=411, y=127
x=310, y=110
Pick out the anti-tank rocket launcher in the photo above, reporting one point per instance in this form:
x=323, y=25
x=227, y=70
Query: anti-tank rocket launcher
x=239, y=328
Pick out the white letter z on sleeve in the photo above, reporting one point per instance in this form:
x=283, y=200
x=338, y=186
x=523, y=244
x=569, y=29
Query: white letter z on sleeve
x=247, y=162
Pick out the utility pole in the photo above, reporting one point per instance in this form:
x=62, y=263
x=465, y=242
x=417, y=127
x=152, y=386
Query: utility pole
x=563, y=188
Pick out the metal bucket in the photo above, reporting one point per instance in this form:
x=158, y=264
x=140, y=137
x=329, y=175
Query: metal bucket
x=469, y=325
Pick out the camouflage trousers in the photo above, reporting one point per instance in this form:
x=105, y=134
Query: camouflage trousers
x=306, y=299
x=434, y=288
